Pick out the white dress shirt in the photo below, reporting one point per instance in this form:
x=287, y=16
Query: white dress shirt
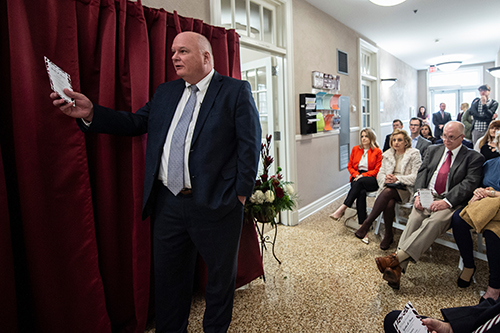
x=363, y=162
x=414, y=142
x=200, y=95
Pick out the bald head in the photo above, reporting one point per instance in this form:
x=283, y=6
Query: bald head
x=204, y=46
x=456, y=125
x=192, y=56
x=453, y=134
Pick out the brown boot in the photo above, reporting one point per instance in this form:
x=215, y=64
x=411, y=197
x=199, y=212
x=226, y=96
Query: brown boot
x=393, y=276
x=387, y=261
x=388, y=237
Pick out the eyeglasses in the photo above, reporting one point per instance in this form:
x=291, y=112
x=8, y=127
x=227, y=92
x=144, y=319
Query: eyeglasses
x=450, y=138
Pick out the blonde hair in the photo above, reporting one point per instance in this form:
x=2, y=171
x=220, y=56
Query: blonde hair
x=371, y=135
x=466, y=106
x=406, y=137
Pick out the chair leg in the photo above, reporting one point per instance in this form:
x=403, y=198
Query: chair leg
x=377, y=224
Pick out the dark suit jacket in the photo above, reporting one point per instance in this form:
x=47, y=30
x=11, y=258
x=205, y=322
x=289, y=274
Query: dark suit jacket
x=437, y=120
x=387, y=142
x=422, y=145
x=465, y=174
x=225, y=148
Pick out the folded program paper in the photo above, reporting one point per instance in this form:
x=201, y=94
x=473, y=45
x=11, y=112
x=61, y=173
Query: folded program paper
x=59, y=79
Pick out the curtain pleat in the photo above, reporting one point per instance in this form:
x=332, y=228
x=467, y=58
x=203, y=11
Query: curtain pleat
x=74, y=252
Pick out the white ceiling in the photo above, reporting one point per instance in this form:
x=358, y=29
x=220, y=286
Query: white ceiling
x=467, y=30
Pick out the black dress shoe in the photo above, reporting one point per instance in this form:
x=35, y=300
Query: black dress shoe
x=464, y=284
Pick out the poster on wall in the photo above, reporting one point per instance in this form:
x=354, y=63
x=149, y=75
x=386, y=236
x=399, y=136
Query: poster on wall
x=344, y=156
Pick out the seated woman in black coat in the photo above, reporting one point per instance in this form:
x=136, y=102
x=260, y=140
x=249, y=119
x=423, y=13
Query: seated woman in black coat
x=487, y=143
x=480, y=215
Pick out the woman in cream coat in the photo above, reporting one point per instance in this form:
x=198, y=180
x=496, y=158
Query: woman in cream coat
x=396, y=178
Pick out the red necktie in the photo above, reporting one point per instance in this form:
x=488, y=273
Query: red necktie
x=440, y=185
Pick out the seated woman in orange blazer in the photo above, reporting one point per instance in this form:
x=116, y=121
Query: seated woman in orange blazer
x=364, y=164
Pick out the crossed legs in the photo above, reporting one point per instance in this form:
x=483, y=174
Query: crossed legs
x=357, y=193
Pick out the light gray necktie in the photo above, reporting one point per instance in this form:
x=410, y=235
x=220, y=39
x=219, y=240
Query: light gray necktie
x=175, y=176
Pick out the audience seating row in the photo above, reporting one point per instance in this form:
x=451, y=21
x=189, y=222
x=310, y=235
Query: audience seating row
x=400, y=223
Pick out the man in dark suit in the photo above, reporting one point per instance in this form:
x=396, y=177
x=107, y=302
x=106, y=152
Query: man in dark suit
x=201, y=162
x=396, y=123
x=452, y=172
x=439, y=119
x=459, y=319
x=418, y=141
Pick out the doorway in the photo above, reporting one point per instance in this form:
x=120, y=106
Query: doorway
x=265, y=73
x=453, y=98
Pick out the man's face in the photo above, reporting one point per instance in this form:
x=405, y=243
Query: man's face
x=442, y=106
x=415, y=127
x=452, y=138
x=397, y=124
x=484, y=92
x=189, y=63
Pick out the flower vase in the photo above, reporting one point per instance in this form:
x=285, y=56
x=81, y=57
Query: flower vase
x=264, y=218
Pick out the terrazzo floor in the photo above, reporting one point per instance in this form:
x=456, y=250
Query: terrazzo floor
x=328, y=282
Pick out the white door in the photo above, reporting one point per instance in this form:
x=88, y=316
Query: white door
x=366, y=109
x=467, y=96
x=453, y=98
x=259, y=74
x=448, y=97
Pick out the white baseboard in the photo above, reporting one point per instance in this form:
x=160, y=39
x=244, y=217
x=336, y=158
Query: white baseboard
x=322, y=202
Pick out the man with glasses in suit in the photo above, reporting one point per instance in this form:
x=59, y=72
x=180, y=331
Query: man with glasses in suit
x=452, y=172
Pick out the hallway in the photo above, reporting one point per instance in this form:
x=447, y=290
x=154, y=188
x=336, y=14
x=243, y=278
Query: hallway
x=328, y=282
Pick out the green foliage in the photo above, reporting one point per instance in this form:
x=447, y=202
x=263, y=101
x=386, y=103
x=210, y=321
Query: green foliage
x=271, y=194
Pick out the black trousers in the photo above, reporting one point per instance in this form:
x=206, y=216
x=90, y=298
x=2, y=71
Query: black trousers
x=358, y=191
x=179, y=233
x=463, y=238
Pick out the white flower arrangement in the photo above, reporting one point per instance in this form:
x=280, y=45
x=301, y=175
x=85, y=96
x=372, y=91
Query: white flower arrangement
x=269, y=196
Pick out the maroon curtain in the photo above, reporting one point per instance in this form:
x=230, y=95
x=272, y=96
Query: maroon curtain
x=74, y=252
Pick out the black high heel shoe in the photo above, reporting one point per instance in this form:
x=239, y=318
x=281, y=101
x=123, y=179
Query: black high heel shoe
x=464, y=284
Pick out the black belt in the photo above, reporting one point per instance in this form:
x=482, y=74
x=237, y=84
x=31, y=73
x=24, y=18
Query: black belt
x=186, y=191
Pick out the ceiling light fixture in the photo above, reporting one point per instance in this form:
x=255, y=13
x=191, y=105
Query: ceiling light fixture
x=387, y=2
x=449, y=66
x=495, y=71
x=388, y=82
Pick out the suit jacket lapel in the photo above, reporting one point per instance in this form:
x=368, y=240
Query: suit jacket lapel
x=434, y=162
x=458, y=161
x=206, y=105
x=171, y=100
